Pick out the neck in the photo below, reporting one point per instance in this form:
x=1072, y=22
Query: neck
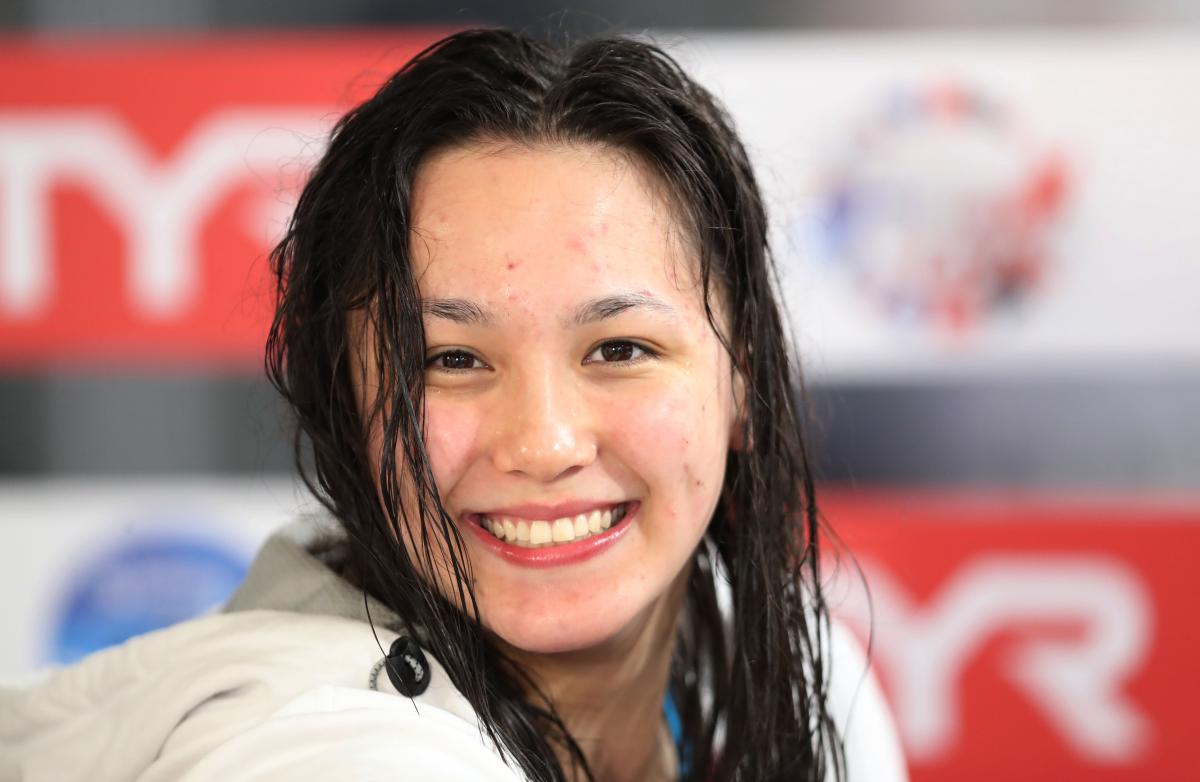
x=610, y=697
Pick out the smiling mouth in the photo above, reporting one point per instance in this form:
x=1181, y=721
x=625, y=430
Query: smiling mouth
x=546, y=534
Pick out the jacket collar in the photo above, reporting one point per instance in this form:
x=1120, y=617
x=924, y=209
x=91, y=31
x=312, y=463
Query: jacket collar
x=287, y=576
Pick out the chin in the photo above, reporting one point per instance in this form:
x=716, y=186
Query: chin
x=562, y=627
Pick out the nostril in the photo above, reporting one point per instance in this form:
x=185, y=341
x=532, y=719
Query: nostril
x=549, y=460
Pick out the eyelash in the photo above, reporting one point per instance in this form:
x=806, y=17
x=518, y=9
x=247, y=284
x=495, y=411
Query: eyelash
x=646, y=354
x=429, y=364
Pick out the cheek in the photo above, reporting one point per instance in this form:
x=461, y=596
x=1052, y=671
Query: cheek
x=673, y=441
x=451, y=432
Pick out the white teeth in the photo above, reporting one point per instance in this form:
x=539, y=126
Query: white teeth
x=564, y=531
x=539, y=532
x=535, y=534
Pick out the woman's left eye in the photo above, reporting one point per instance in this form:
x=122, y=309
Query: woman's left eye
x=618, y=351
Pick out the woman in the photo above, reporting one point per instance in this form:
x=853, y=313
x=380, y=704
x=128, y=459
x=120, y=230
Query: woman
x=527, y=324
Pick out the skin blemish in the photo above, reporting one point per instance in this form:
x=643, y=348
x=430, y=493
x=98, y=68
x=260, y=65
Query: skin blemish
x=576, y=244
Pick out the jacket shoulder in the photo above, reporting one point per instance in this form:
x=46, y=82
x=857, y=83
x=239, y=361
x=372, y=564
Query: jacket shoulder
x=162, y=703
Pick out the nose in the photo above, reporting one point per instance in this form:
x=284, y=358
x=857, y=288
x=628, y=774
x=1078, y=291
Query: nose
x=543, y=431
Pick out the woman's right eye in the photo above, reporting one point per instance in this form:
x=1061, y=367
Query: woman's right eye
x=454, y=361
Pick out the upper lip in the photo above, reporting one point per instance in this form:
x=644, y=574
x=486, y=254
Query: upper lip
x=534, y=511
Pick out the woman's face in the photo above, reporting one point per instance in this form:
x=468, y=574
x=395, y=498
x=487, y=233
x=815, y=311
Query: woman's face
x=572, y=381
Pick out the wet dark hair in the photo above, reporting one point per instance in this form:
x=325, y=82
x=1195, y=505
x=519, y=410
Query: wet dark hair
x=749, y=682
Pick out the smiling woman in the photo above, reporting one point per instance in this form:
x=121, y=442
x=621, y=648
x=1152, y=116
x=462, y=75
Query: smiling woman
x=527, y=325
x=573, y=382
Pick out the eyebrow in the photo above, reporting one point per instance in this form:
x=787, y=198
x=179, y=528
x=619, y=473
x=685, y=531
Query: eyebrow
x=611, y=306
x=462, y=311
x=468, y=313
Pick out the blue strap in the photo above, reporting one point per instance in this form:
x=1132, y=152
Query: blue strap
x=675, y=723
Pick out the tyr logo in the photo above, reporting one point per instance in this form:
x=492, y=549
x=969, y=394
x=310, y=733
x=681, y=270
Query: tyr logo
x=158, y=206
x=1077, y=684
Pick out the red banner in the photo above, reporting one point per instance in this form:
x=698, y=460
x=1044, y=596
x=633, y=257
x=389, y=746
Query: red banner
x=1032, y=640
x=142, y=184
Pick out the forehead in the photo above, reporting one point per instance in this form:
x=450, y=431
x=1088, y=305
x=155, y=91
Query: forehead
x=498, y=221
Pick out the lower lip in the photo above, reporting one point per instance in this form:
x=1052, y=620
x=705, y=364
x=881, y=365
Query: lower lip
x=562, y=554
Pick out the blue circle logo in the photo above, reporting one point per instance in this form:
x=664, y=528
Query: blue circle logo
x=151, y=581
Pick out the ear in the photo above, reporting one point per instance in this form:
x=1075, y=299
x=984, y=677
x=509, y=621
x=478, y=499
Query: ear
x=740, y=438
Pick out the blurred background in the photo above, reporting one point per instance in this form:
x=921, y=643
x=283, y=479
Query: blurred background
x=987, y=221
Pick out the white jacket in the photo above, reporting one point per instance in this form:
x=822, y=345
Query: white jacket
x=280, y=687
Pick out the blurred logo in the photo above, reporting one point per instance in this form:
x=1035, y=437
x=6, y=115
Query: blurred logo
x=940, y=208
x=160, y=206
x=1078, y=681
x=147, y=582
